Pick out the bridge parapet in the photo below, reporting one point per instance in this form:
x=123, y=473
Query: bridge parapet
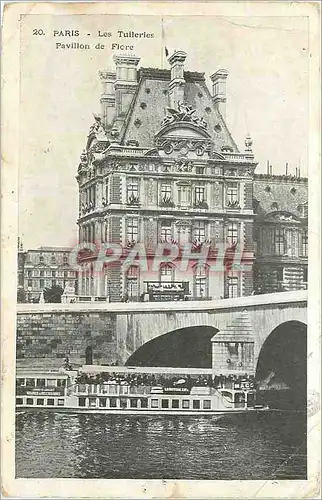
x=297, y=296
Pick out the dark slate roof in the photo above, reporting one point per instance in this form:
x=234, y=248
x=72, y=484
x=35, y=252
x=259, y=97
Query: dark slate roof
x=153, y=92
x=279, y=193
x=240, y=330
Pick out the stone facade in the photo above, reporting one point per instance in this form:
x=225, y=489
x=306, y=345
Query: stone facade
x=44, y=268
x=281, y=233
x=163, y=167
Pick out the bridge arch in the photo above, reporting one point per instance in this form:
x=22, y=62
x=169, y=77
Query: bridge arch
x=282, y=360
x=183, y=347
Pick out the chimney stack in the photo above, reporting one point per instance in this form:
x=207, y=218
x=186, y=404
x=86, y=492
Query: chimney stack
x=286, y=168
x=176, y=85
x=219, y=90
x=108, y=97
x=125, y=82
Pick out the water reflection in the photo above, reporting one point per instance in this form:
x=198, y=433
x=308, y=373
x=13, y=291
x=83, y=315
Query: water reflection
x=105, y=446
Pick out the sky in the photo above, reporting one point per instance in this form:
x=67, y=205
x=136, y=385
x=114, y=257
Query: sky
x=267, y=96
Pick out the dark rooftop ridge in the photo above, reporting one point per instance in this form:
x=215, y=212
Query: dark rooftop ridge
x=165, y=74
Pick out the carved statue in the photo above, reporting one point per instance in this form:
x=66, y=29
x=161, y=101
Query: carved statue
x=184, y=113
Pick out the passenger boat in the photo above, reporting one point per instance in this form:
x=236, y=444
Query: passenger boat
x=134, y=391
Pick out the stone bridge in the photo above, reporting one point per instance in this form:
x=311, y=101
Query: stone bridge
x=107, y=332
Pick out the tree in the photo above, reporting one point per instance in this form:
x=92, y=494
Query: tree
x=21, y=294
x=53, y=294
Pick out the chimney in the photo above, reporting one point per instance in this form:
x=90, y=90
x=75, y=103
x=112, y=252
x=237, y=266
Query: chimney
x=286, y=168
x=176, y=85
x=108, y=97
x=267, y=167
x=219, y=90
x=125, y=82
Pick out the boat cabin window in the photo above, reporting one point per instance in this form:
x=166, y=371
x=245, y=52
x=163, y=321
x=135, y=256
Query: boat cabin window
x=144, y=403
x=175, y=403
x=123, y=402
x=92, y=402
x=51, y=382
x=227, y=395
x=133, y=403
x=18, y=401
x=50, y=402
x=154, y=403
x=21, y=382
x=102, y=402
x=113, y=402
x=185, y=403
x=41, y=382
x=30, y=382
x=61, y=402
x=61, y=382
x=196, y=404
x=30, y=401
x=239, y=397
x=81, y=401
x=40, y=402
x=207, y=404
x=165, y=403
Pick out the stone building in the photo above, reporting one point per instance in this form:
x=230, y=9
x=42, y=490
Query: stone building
x=281, y=232
x=160, y=165
x=42, y=268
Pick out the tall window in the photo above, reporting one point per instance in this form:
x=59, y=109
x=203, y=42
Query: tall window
x=132, y=229
x=184, y=195
x=201, y=281
x=200, y=231
x=132, y=281
x=279, y=241
x=167, y=273
x=232, y=286
x=41, y=258
x=199, y=194
x=232, y=193
x=65, y=258
x=232, y=233
x=166, y=191
x=304, y=247
x=132, y=189
x=166, y=231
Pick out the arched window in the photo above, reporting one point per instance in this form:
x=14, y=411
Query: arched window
x=201, y=281
x=132, y=282
x=167, y=273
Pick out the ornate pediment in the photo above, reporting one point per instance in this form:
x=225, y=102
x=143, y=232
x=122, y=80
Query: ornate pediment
x=282, y=217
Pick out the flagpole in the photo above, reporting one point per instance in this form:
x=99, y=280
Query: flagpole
x=162, y=42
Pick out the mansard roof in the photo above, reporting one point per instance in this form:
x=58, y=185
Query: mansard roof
x=151, y=100
x=280, y=194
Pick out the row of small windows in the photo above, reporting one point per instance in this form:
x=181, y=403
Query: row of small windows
x=186, y=195
x=41, y=401
x=197, y=232
x=41, y=283
x=52, y=259
x=186, y=404
x=48, y=273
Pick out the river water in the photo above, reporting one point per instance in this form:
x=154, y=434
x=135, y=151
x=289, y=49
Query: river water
x=247, y=446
